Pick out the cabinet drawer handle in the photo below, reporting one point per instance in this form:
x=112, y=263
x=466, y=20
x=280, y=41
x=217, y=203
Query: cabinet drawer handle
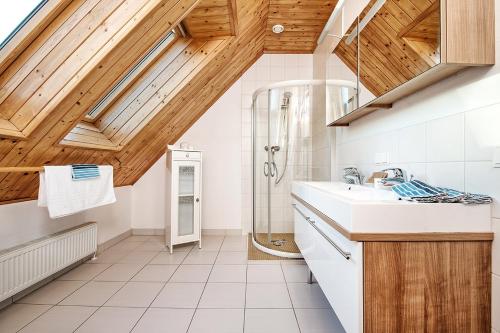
x=345, y=254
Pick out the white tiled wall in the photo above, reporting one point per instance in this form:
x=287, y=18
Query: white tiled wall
x=444, y=135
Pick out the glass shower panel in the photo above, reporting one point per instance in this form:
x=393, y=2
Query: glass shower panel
x=186, y=200
x=281, y=154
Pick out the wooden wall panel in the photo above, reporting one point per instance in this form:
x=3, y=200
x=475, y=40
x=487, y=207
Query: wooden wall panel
x=427, y=287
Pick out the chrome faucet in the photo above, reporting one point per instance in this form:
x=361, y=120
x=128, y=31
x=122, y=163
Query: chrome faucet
x=352, y=176
x=398, y=175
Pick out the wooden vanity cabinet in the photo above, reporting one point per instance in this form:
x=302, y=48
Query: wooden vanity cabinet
x=394, y=283
x=409, y=44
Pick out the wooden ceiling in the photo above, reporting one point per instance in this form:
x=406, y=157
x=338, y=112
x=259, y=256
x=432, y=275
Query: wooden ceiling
x=50, y=80
x=303, y=21
x=400, y=42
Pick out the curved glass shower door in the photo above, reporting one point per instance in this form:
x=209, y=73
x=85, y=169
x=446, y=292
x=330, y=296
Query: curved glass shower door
x=282, y=149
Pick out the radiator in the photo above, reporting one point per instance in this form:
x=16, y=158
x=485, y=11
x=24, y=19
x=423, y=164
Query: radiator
x=23, y=266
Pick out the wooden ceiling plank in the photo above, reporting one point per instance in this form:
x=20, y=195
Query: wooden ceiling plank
x=79, y=64
x=141, y=94
x=29, y=32
x=171, y=88
x=24, y=76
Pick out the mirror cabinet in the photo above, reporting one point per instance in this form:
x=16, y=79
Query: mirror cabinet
x=396, y=47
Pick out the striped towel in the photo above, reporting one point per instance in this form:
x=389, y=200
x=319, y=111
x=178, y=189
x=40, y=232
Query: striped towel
x=416, y=190
x=84, y=171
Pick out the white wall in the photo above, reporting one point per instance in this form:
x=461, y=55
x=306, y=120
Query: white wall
x=224, y=135
x=444, y=135
x=25, y=221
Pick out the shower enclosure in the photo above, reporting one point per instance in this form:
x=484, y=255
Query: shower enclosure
x=282, y=140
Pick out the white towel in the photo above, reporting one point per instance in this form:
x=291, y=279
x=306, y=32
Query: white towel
x=63, y=196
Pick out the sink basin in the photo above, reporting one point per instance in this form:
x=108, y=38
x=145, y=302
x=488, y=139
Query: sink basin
x=362, y=209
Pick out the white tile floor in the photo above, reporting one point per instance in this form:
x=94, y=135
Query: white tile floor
x=136, y=286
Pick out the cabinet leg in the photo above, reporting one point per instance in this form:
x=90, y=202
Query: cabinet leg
x=310, y=276
x=171, y=247
x=199, y=244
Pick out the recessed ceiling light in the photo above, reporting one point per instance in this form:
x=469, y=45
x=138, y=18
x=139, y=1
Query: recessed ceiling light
x=278, y=28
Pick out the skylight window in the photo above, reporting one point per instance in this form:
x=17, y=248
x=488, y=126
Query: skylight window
x=132, y=74
x=14, y=15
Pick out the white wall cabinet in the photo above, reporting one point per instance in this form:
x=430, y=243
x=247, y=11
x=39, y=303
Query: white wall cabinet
x=183, y=207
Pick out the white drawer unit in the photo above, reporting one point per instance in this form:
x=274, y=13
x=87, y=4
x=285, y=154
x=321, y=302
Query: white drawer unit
x=186, y=155
x=336, y=263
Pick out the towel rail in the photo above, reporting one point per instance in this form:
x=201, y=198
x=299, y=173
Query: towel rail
x=20, y=169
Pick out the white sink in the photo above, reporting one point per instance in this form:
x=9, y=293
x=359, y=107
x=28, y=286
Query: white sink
x=361, y=209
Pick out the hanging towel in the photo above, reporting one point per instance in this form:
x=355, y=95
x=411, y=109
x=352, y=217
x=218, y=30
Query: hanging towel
x=63, y=196
x=84, y=171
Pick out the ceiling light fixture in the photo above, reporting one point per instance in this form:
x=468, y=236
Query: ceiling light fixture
x=278, y=28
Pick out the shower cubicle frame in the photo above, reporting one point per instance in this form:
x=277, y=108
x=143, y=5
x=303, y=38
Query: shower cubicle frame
x=268, y=88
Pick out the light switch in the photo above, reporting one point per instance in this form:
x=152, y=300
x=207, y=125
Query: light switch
x=496, y=157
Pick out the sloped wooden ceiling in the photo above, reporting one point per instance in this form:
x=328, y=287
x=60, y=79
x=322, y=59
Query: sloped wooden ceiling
x=400, y=42
x=303, y=21
x=51, y=85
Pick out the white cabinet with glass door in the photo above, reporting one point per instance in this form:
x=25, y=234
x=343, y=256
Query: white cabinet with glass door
x=183, y=206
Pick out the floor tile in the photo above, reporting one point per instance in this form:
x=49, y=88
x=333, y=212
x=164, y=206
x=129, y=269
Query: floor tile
x=264, y=262
x=270, y=320
x=184, y=247
x=232, y=258
x=138, y=257
x=151, y=246
x=217, y=321
x=265, y=274
x=295, y=273
x=228, y=273
x=124, y=247
x=223, y=296
x=119, y=272
x=267, y=295
x=108, y=257
x=84, y=272
x=135, y=294
x=158, y=320
x=60, y=319
x=16, y=316
x=235, y=243
x=210, y=243
x=52, y=293
x=136, y=238
x=318, y=321
x=94, y=293
x=155, y=273
x=307, y=296
x=200, y=258
x=165, y=258
x=179, y=295
x=191, y=273
x=116, y=320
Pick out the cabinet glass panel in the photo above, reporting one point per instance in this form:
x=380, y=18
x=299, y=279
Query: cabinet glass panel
x=186, y=200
